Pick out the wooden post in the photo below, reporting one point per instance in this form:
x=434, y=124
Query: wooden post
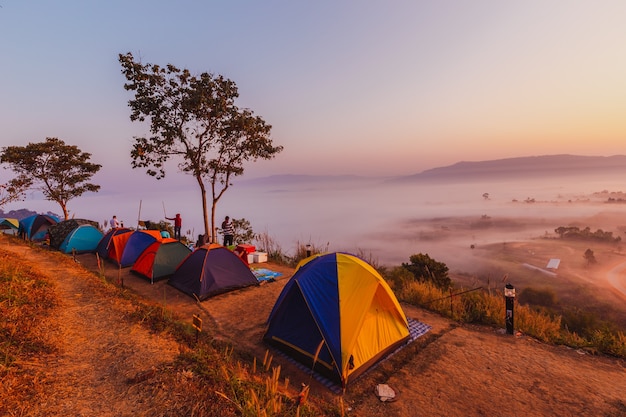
x=451, y=305
x=197, y=324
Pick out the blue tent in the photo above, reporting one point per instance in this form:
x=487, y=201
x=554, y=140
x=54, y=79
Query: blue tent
x=82, y=239
x=105, y=243
x=58, y=232
x=36, y=226
x=137, y=242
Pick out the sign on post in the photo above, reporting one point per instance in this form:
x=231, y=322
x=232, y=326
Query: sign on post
x=197, y=323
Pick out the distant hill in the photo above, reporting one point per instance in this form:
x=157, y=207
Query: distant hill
x=22, y=214
x=530, y=166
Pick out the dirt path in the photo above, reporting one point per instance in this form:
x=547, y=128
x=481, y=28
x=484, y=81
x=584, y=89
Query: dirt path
x=615, y=279
x=99, y=351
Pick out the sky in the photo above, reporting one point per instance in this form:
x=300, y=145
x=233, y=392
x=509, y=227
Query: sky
x=376, y=88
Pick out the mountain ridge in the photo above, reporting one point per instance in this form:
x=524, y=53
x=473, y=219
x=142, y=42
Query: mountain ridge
x=562, y=164
x=530, y=166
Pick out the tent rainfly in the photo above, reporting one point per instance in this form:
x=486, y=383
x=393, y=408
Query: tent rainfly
x=136, y=243
x=337, y=315
x=105, y=245
x=9, y=225
x=60, y=231
x=211, y=270
x=35, y=227
x=83, y=239
x=160, y=259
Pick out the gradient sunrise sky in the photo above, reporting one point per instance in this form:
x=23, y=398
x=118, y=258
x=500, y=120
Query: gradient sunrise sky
x=350, y=87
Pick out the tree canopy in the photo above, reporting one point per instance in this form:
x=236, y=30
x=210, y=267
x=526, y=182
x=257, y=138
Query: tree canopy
x=13, y=190
x=590, y=257
x=573, y=232
x=193, y=119
x=61, y=172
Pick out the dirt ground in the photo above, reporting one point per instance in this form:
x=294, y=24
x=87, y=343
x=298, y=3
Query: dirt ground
x=450, y=371
x=99, y=349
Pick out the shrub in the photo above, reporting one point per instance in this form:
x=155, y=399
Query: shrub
x=538, y=324
x=242, y=231
x=609, y=342
x=481, y=307
x=538, y=297
x=424, y=268
x=580, y=321
x=398, y=277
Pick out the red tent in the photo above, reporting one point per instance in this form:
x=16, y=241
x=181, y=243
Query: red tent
x=160, y=259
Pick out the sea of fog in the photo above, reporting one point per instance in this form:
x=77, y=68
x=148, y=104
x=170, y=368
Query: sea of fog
x=378, y=219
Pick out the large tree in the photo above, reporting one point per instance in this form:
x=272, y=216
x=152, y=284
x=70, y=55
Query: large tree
x=194, y=120
x=61, y=172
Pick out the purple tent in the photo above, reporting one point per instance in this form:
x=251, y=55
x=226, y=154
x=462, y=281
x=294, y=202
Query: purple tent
x=211, y=270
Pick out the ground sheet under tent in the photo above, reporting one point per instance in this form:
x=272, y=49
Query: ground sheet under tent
x=416, y=329
x=263, y=274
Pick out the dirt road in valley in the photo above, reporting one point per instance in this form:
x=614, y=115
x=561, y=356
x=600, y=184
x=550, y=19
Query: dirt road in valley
x=616, y=278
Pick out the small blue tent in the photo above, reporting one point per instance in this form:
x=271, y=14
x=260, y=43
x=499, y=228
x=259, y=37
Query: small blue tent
x=82, y=239
x=36, y=226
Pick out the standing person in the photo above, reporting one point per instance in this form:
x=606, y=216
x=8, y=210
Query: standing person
x=178, y=222
x=227, y=230
x=114, y=223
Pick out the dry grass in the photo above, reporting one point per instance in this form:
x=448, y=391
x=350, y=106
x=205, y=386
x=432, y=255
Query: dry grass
x=486, y=307
x=26, y=300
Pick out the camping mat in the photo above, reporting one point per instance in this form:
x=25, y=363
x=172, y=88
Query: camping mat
x=262, y=274
x=416, y=329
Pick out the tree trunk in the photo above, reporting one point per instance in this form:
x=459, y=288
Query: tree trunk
x=66, y=214
x=204, y=207
x=213, y=207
